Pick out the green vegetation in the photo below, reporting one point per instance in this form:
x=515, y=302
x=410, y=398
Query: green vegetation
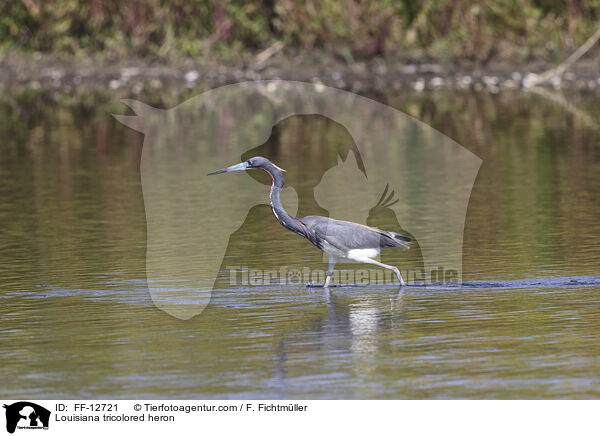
x=349, y=29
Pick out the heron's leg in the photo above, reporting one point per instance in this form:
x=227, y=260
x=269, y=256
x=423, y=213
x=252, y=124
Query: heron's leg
x=332, y=261
x=383, y=265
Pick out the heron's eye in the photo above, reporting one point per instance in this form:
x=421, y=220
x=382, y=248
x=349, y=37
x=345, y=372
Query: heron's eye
x=249, y=162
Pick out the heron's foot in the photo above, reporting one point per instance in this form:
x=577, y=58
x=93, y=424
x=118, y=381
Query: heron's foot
x=312, y=285
x=324, y=285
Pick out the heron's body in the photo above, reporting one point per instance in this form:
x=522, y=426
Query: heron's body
x=339, y=239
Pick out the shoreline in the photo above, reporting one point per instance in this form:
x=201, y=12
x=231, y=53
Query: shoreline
x=38, y=71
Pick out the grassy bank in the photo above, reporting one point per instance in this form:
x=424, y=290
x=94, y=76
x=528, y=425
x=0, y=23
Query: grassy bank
x=349, y=30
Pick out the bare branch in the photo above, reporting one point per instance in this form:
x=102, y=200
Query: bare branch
x=560, y=69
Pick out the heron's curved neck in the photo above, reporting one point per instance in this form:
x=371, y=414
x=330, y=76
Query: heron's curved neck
x=282, y=216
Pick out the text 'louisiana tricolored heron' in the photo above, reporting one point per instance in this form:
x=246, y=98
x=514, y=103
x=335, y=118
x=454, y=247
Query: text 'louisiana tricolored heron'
x=339, y=239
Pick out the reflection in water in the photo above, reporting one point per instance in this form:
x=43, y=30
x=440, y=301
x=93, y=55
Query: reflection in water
x=77, y=319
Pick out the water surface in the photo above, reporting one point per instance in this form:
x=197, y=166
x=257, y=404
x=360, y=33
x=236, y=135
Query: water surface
x=77, y=320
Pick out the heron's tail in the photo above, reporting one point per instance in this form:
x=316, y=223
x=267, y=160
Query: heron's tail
x=405, y=240
x=401, y=237
x=392, y=239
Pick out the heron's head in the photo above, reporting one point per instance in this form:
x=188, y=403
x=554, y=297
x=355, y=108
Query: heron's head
x=257, y=162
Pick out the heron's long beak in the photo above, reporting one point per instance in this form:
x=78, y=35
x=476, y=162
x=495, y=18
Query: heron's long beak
x=239, y=167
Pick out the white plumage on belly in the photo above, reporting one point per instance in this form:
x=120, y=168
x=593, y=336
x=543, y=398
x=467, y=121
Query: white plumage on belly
x=358, y=254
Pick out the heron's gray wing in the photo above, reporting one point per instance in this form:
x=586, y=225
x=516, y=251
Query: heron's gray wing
x=346, y=235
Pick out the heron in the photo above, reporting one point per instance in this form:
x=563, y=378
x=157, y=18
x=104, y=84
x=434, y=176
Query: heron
x=339, y=239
